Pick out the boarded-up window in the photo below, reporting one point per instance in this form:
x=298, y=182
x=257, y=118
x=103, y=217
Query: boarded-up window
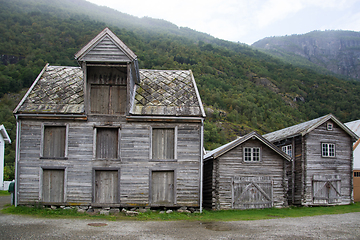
x=108, y=99
x=163, y=143
x=162, y=188
x=54, y=141
x=107, y=143
x=107, y=89
x=106, y=186
x=53, y=185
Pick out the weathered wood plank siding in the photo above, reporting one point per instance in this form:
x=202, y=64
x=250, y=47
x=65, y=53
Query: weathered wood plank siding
x=106, y=50
x=231, y=164
x=134, y=163
x=317, y=165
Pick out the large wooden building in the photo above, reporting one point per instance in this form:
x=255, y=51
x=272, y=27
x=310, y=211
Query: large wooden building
x=248, y=172
x=321, y=170
x=107, y=134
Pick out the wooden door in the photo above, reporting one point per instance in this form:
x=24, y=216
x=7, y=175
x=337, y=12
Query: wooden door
x=326, y=189
x=53, y=185
x=356, y=183
x=252, y=192
x=162, y=188
x=106, y=186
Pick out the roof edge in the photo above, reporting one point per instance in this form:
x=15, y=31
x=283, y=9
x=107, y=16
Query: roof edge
x=338, y=122
x=30, y=89
x=5, y=134
x=229, y=146
x=197, y=94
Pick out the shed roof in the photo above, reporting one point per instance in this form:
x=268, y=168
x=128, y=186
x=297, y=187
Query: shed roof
x=59, y=90
x=306, y=127
x=227, y=147
x=167, y=92
x=4, y=134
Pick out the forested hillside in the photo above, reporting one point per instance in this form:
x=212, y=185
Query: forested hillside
x=242, y=89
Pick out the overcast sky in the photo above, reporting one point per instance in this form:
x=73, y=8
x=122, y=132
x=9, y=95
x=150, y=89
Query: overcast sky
x=247, y=21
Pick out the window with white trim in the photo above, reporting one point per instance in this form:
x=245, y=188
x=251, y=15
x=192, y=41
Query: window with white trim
x=328, y=150
x=251, y=154
x=329, y=126
x=287, y=149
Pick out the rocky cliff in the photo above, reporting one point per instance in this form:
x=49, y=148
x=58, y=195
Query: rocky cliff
x=337, y=51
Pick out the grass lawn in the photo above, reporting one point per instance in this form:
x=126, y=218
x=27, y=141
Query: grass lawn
x=225, y=215
x=4, y=193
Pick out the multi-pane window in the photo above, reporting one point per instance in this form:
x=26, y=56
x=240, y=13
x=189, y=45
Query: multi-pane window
x=287, y=149
x=54, y=145
x=107, y=143
x=163, y=143
x=328, y=150
x=251, y=154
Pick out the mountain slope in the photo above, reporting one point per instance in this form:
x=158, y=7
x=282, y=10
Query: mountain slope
x=335, y=51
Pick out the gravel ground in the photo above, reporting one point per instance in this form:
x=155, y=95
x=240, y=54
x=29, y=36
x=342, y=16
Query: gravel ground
x=342, y=226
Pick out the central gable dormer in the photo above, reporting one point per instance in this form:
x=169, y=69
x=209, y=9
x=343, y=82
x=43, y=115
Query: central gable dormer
x=110, y=73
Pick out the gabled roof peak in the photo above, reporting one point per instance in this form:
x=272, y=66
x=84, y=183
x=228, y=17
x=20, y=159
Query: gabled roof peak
x=306, y=127
x=105, y=47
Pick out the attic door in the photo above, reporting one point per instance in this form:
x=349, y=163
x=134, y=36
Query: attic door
x=252, y=192
x=53, y=185
x=162, y=188
x=326, y=189
x=107, y=90
x=106, y=186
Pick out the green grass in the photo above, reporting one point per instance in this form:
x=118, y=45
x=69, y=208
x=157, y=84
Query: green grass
x=224, y=215
x=4, y=193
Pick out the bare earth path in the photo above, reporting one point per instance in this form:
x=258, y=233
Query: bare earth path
x=343, y=226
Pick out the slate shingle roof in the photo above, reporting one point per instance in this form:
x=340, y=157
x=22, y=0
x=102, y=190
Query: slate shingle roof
x=167, y=92
x=59, y=90
x=56, y=90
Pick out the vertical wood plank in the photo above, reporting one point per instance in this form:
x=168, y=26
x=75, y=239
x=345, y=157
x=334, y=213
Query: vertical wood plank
x=53, y=185
x=106, y=186
x=107, y=143
x=54, y=141
x=162, y=187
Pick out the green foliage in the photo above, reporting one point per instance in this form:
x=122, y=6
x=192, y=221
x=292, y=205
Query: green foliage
x=4, y=193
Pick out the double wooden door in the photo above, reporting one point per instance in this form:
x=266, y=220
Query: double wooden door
x=252, y=192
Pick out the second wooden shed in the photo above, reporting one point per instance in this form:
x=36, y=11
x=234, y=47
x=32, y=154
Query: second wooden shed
x=248, y=172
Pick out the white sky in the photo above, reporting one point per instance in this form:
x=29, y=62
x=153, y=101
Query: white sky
x=247, y=21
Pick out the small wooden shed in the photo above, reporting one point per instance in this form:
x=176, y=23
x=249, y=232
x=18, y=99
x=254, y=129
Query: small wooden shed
x=248, y=172
x=321, y=170
x=108, y=134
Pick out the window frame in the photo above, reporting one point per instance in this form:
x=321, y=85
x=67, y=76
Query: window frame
x=328, y=150
x=285, y=149
x=329, y=126
x=42, y=139
x=95, y=142
x=252, y=154
x=175, y=144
